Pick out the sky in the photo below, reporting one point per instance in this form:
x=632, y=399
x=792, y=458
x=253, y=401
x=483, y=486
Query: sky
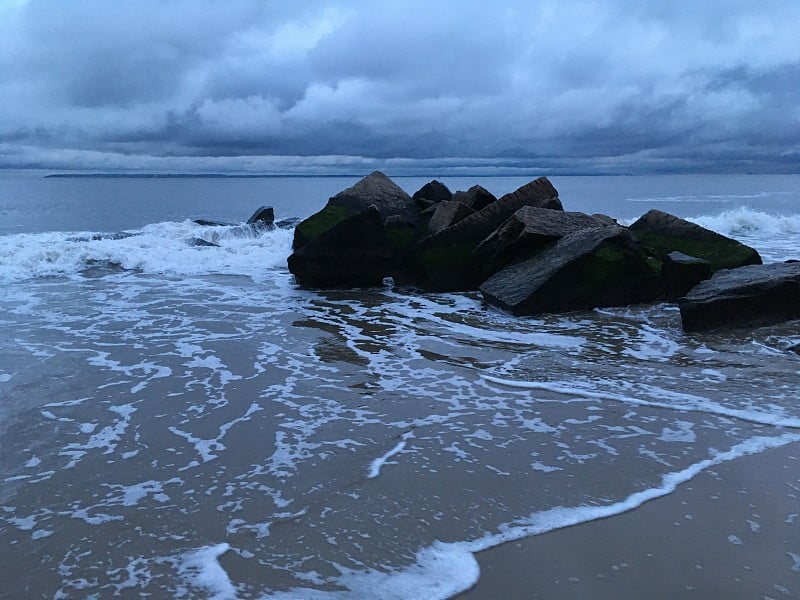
x=442, y=87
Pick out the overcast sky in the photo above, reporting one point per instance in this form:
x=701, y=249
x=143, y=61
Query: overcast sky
x=538, y=86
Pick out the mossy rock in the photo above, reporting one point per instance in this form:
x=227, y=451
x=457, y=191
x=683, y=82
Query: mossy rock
x=721, y=254
x=587, y=269
x=317, y=224
x=445, y=268
x=665, y=233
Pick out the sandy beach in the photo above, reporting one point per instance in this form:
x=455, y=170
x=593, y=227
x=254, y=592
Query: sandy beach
x=732, y=532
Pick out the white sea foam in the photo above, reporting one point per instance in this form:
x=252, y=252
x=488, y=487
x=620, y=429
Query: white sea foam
x=440, y=571
x=678, y=402
x=744, y=220
x=107, y=438
x=160, y=248
x=683, y=432
x=378, y=463
x=560, y=517
x=443, y=570
x=201, y=569
x=775, y=236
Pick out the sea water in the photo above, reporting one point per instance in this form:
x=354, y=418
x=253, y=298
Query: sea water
x=186, y=421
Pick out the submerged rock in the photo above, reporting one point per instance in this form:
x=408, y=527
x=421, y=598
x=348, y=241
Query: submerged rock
x=590, y=268
x=201, y=243
x=665, y=233
x=748, y=296
x=209, y=223
x=265, y=215
x=287, y=223
x=353, y=252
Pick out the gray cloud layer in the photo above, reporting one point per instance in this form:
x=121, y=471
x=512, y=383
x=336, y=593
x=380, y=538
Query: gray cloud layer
x=254, y=86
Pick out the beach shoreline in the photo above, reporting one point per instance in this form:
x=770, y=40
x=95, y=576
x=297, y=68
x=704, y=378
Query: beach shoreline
x=731, y=532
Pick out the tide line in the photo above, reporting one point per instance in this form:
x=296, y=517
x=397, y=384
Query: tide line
x=697, y=406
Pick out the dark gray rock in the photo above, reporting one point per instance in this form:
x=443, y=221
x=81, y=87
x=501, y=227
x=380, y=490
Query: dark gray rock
x=201, y=243
x=447, y=213
x=376, y=189
x=476, y=197
x=354, y=252
x=529, y=231
x=748, y=296
x=665, y=233
x=431, y=193
x=539, y=192
x=605, y=219
x=208, y=223
x=287, y=223
x=119, y=235
x=264, y=216
x=681, y=272
x=445, y=261
x=589, y=268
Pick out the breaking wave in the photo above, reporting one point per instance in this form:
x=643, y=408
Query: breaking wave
x=168, y=248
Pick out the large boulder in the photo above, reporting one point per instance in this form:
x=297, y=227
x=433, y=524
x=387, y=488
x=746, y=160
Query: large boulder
x=476, y=197
x=665, y=233
x=376, y=189
x=681, y=272
x=535, y=193
x=353, y=252
x=447, y=213
x=749, y=296
x=590, y=268
x=529, y=231
x=445, y=261
x=431, y=193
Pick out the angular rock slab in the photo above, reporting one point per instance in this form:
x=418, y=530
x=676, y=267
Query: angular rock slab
x=586, y=269
x=354, y=252
x=749, y=296
x=477, y=197
x=265, y=215
x=666, y=233
x=431, y=193
x=447, y=213
x=376, y=189
x=445, y=261
x=681, y=273
x=530, y=230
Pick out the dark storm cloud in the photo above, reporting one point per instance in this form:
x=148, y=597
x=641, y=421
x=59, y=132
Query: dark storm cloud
x=570, y=86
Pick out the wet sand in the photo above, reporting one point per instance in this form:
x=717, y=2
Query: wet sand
x=731, y=532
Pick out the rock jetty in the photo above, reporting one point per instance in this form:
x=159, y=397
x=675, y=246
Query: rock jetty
x=527, y=255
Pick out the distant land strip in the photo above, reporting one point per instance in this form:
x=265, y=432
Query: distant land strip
x=181, y=176
x=304, y=175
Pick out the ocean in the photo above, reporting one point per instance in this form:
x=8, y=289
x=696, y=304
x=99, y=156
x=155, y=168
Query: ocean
x=185, y=422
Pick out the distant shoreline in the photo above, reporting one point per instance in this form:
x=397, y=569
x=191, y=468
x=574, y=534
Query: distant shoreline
x=302, y=176
x=179, y=176
x=531, y=174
